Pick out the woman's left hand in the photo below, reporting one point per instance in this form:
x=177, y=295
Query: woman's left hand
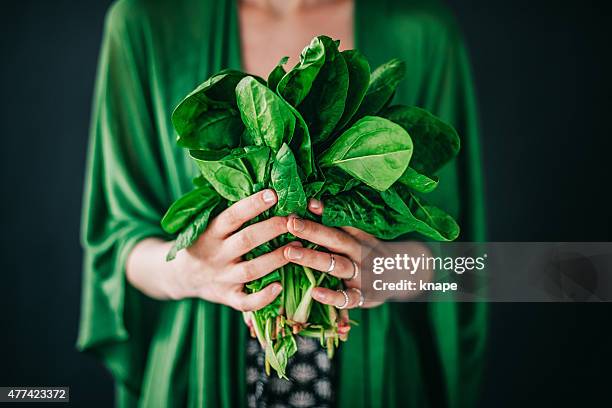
x=345, y=245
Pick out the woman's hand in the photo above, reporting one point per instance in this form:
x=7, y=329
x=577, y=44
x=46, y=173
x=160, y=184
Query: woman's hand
x=212, y=268
x=345, y=243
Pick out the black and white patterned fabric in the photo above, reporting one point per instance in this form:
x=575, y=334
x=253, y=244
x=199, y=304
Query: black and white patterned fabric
x=310, y=373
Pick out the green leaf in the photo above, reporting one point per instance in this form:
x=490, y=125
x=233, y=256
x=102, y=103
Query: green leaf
x=302, y=145
x=337, y=181
x=323, y=106
x=358, y=82
x=387, y=215
x=373, y=150
x=217, y=129
x=285, y=348
x=277, y=74
x=234, y=175
x=264, y=281
x=196, y=227
x=420, y=216
x=183, y=210
x=266, y=116
x=207, y=118
x=296, y=84
x=383, y=82
x=435, y=142
x=417, y=181
x=285, y=180
x=313, y=188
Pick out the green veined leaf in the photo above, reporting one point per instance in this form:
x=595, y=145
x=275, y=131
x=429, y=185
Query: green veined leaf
x=216, y=129
x=197, y=126
x=358, y=82
x=373, y=150
x=234, y=175
x=277, y=74
x=266, y=116
x=183, y=210
x=420, y=216
x=323, y=106
x=383, y=82
x=296, y=84
x=435, y=142
x=387, y=215
x=196, y=227
x=286, y=182
x=417, y=181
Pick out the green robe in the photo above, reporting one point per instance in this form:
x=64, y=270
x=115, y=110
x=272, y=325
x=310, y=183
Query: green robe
x=191, y=352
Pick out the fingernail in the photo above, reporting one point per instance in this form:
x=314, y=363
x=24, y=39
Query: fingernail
x=269, y=196
x=318, y=294
x=295, y=243
x=294, y=253
x=298, y=224
x=315, y=204
x=276, y=288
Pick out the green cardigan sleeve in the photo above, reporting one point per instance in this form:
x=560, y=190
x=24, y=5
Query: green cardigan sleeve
x=122, y=204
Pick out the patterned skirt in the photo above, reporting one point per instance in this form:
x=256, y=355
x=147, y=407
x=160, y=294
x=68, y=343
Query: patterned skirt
x=310, y=383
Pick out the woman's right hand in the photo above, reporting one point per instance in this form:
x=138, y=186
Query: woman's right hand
x=213, y=269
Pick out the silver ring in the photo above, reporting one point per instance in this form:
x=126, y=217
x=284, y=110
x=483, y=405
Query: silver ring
x=332, y=263
x=355, y=270
x=361, y=297
x=346, y=299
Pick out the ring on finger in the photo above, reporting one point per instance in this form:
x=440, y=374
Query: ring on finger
x=346, y=299
x=355, y=270
x=332, y=263
x=361, y=297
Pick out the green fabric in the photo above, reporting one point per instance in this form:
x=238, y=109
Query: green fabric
x=191, y=352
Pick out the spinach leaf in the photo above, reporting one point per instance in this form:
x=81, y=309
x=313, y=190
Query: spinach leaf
x=233, y=175
x=312, y=189
x=218, y=129
x=363, y=208
x=373, y=150
x=337, y=181
x=388, y=215
x=417, y=181
x=358, y=82
x=323, y=106
x=286, y=181
x=435, y=142
x=277, y=74
x=196, y=227
x=266, y=116
x=419, y=216
x=208, y=118
x=183, y=210
x=296, y=84
x=302, y=145
x=383, y=82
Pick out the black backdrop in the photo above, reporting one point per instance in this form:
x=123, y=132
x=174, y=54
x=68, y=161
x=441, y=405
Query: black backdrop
x=542, y=75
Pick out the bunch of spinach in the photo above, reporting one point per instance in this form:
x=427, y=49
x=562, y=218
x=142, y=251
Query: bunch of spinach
x=323, y=129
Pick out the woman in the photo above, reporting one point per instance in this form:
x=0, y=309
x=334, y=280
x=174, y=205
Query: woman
x=168, y=332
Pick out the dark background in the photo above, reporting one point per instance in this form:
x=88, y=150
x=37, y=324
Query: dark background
x=542, y=72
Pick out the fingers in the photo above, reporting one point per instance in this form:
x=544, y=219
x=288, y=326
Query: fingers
x=254, y=235
x=315, y=206
x=255, y=301
x=249, y=271
x=336, y=298
x=321, y=261
x=331, y=238
x=232, y=218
